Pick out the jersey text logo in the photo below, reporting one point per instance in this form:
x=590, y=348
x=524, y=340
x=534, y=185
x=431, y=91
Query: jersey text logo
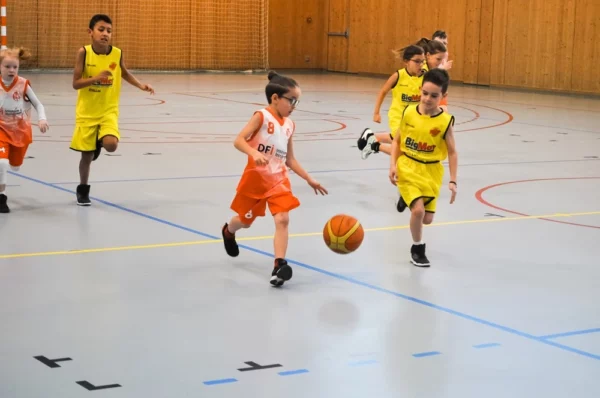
x=419, y=146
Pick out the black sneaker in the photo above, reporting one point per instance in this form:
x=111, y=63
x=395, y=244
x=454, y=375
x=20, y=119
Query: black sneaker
x=231, y=246
x=418, y=257
x=281, y=273
x=401, y=205
x=83, y=195
x=98, y=149
x=362, y=140
x=3, y=206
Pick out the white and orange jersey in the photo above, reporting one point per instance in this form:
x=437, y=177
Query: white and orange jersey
x=271, y=139
x=15, y=113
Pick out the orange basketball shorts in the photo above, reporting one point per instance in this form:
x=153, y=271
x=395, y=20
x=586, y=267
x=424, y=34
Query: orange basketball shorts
x=248, y=208
x=14, y=154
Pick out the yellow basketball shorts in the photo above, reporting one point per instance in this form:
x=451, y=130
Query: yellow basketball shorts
x=85, y=135
x=419, y=180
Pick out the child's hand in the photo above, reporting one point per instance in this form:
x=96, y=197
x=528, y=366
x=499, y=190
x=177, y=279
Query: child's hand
x=105, y=74
x=447, y=65
x=377, y=118
x=453, y=189
x=148, y=88
x=319, y=189
x=393, y=175
x=260, y=159
x=43, y=125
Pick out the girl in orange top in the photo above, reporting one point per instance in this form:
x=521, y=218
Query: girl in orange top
x=16, y=99
x=267, y=140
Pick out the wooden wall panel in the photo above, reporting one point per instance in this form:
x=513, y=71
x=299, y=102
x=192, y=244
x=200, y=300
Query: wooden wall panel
x=539, y=39
x=62, y=29
x=498, y=42
x=374, y=34
x=174, y=29
x=484, y=66
x=452, y=18
x=21, y=25
x=292, y=38
x=472, y=30
x=586, y=49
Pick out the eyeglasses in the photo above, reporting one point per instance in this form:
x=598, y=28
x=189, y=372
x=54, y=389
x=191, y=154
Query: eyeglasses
x=293, y=101
x=417, y=61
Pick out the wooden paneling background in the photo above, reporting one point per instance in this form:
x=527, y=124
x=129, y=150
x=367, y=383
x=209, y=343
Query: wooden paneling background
x=172, y=35
x=538, y=44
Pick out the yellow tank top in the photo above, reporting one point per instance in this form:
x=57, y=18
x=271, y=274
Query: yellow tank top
x=423, y=138
x=100, y=99
x=406, y=91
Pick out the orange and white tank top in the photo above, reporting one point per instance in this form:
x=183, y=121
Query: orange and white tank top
x=271, y=139
x=15, y=114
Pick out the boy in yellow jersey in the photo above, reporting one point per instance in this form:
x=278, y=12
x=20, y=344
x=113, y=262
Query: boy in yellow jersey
x=99, y=68
x=424, y=139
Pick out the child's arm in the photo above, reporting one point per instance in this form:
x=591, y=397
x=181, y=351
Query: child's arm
x=241, y=141
x=396, y=152
x=39, y=108
x=295, y=166
x=129, y=78
x=391, y=82
x=452, y=162
x=78, y=81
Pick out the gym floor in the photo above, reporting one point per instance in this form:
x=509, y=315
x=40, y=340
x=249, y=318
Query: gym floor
x=136, y=297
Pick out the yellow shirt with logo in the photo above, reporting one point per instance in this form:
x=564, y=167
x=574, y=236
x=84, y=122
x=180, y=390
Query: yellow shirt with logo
x=100, y=100
x=406, y=91
x=423, y=137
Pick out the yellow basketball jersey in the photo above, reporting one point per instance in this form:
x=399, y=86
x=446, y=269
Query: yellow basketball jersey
x=423, y=137
x=100, y=99
x=406, y=91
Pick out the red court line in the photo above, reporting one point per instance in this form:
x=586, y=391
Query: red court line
x=342, y=126
x=479, y=196
x=477, y=115
x=510, y=119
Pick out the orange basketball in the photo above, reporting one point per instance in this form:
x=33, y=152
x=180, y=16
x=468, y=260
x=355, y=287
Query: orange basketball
x=343, y=234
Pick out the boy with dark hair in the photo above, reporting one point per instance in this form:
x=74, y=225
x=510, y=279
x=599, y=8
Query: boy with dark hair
x=99, y=68
x=424, y=140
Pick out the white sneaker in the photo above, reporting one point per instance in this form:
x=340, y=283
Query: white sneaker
x=367, y=150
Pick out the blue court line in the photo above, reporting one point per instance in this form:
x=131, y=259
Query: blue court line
x=310, y=172
x=293, y=372
x=363, y=363
x=426, y=354
x=487, y=345
x=567, y=334
x=221, y=381
x=341, y=277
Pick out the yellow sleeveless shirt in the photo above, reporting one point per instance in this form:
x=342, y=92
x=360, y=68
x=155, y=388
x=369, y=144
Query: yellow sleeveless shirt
x=423, y=137
x=100, y=100
x=406, y=91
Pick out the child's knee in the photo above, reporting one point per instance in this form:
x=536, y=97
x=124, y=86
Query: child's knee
x=428, y=219
x=282, y=219
x=110, y=143
x=418, y=209
x=15, y=168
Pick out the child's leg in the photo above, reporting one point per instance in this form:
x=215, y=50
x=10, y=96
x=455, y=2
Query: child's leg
x=3, y=169
x=280, y=206
x=235, y=224
x=3, y=177
x=84, y=167
x=247, y=209
x=110, y=143
x=417, y=215
x=280, y=242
